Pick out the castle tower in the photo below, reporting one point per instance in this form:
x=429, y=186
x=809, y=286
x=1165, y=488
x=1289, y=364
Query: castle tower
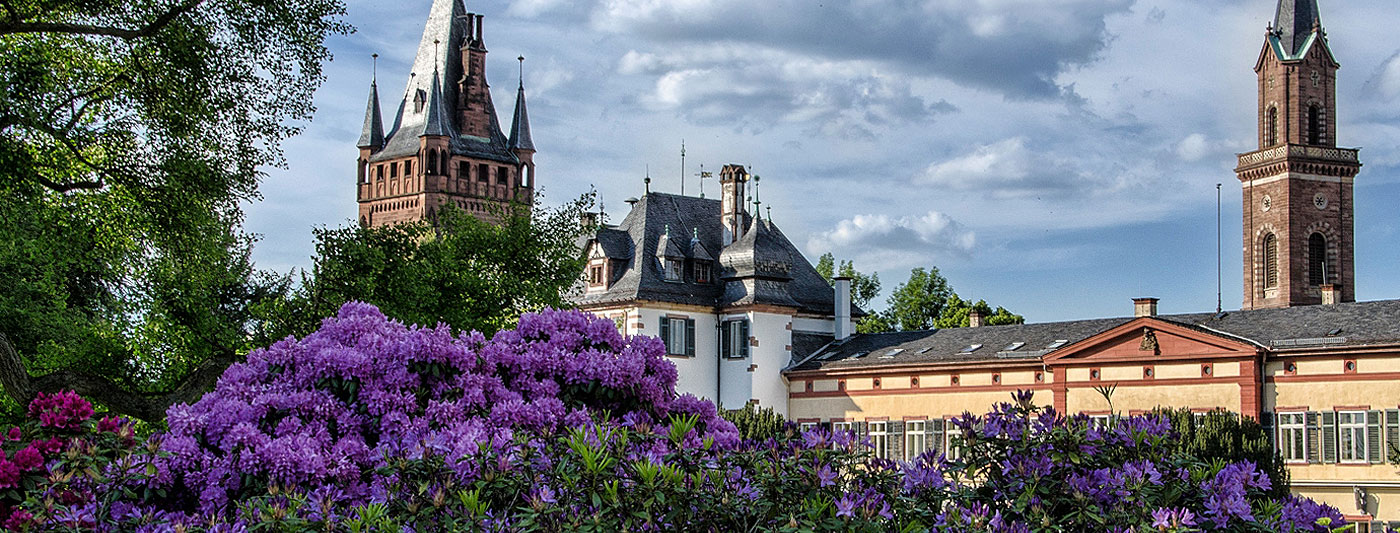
x=520, y=142
x=444, y=146
x=734, y=213
x=1297, y=187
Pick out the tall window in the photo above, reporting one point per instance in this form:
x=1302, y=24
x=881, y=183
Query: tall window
x=1317, y=259
x=464, y=170
x=1351, y=433
x=936, y=440
x=880, y=438
x=915, y=439
x=1270, y=261
x=407, y=168
x=483, y=172
x=1292, y=437
x=1315, y=125
x=1271, y=127
x=595, y=275
x=393, y=170
x=840, y=426
x=734, y=338
x=679, y=335
x=432, y=161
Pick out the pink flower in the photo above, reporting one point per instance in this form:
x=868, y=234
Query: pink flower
x=18, y=520
x=29, y=459
x=64, y=410
x=14, y=434
x=9, y=474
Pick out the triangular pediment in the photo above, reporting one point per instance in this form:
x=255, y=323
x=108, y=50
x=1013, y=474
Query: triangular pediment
x=1150, y=339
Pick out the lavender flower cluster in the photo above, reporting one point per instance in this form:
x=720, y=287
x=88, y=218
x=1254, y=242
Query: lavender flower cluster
x=564, y=425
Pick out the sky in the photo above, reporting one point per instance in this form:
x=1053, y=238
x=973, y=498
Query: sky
x=1055, y=157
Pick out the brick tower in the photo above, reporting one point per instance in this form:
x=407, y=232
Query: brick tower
x=445, y=145
x=1298, y=184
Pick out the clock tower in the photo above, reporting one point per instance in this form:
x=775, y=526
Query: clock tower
x=1297, y=187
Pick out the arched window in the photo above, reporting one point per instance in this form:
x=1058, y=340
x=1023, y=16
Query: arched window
x=1270, y=261
x=1271, y=128
x=1315, y=126
x=443, y=160
x=432, y=161
x=1317, y=259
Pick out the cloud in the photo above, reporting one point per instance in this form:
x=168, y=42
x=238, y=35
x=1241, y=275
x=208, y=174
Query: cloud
x=1015, y=47
x=1007, y=168
x=750, y=90
x=1192, y=148
x=931, y=234
x=1386, y=79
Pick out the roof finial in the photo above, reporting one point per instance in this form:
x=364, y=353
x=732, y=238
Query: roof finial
x=647, y=181
x=770, y=214
x=436, y=45
x=522, y=71
x=374, y=69
x=682, y=167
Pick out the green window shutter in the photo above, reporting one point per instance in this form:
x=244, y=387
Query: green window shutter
x=690, y=337
x=860, y=428
x=665, y=330
x=744, y=338
x=1329, y=436
x=725, y=348
x=935, y=438
x=1392, y=432
x=1375, y=452
x=1314, y=437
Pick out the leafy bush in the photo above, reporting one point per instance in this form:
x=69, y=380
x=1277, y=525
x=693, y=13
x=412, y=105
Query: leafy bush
x=756, y=423
x=1229, y=437
x=563, y=425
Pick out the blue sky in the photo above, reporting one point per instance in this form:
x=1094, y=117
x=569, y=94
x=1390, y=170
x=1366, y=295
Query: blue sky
x=1056, y=157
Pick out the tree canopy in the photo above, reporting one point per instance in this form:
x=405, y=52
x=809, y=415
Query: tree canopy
x=459, y=271
x=129, y=133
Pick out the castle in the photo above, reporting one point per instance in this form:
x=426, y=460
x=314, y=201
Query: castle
x=444, y=144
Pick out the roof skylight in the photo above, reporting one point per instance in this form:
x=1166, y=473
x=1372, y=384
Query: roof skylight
x=971, y=348
x=1058, y=343
x=1013, y=346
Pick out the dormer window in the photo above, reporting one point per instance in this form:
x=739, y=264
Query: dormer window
x=672, y=268
x=700, y=271
x=595, y=276
x=420, y=98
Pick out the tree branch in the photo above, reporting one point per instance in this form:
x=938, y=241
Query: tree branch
x=156, y=25
x=22, y=388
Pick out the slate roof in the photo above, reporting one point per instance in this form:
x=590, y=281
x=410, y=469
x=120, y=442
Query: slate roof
x=444, y=35
x=1304, y=327
x=372, y=135
x=1293, y=23
x=695, y=232
x=520, y=124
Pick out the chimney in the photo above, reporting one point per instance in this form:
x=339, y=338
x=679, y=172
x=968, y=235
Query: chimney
x=975, y=318
x=1144, y=307
x=734, y=215
x=843, y=307
x=478, y=30
x=470, y=18
x=588, y=220
x=1330, y=294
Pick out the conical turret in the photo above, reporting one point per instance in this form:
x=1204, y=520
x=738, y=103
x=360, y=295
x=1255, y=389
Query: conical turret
x=372, y=135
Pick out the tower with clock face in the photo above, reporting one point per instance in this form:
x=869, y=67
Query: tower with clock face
x=1297, y=187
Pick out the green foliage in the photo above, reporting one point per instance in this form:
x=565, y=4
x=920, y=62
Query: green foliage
x=129, y=134
x=757, y=423
x=864, y=288
x=462, y=272
x=956, y=313
x=1226, y=436
x=916, y=304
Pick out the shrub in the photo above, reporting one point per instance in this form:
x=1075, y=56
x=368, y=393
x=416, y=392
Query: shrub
x=756, y=423
x=563, y=425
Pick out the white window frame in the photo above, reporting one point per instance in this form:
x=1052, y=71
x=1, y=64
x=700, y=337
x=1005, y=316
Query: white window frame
x=1355, y=428
x=950, y=432
x=673, y=269
x=737, y=332
x=1100, y=421
x=1293, y=437
x=915, y=439
x=840, y=426
x=878, y=432
x=676, y=341
x=806, y=426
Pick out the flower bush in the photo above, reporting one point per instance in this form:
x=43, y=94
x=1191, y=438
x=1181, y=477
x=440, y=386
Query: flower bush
x=564, y=425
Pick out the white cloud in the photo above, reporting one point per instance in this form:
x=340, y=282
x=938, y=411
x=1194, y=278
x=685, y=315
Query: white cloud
x=931, y=234
x=1192, y=148
x=1006, y=168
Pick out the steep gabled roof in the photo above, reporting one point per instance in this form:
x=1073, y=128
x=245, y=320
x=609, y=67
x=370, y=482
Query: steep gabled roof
x=520, y=124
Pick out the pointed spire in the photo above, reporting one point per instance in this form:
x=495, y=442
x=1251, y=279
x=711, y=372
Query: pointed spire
x=372, y=135
x=520, y=125
x=1294, y=21
x=437, y=122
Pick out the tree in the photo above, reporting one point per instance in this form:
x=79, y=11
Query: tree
x=462, y=272
x=758, y=423
x=864, y=288
x=1226, y=436
x=916, y=304
x=129, y=133
x=957, y=314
